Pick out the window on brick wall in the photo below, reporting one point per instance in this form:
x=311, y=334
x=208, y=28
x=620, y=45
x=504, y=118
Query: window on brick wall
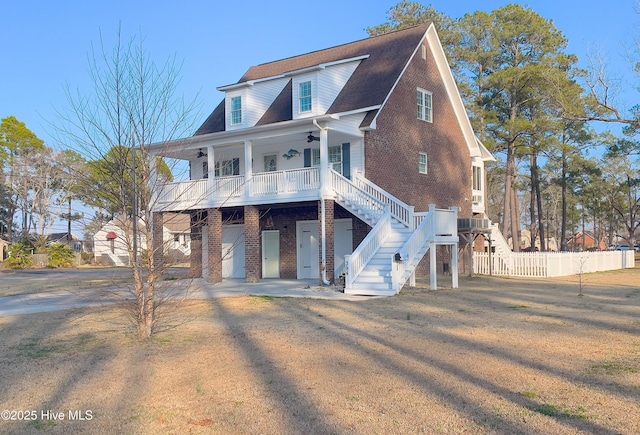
x=422, y=163
x=425, y=106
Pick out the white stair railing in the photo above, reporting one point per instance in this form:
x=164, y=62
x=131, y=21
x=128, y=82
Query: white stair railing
x=356, y=262
x=354, y=197
x=399, y=210
x=502, y=249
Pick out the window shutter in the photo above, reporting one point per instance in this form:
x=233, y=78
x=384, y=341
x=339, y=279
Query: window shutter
x=307, y=157
x=346, y=160
x=236, y=166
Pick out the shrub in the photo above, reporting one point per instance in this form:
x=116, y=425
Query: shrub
x=19, y=256
x=60, y=255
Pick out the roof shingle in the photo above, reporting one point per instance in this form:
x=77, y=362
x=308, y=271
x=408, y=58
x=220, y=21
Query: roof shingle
x=369, y=85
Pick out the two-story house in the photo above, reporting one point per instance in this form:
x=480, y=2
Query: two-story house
x=350, y=162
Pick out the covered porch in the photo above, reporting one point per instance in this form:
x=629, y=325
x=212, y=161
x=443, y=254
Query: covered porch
x=261, y=165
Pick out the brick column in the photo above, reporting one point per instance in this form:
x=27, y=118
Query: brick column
x=158, y=242
x=252, y=245
x=214, y=266
x=329, y=216
x=196, y=245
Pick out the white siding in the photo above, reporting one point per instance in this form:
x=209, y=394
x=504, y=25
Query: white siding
x=330, y=83
x=255, y=101
x=260, y=97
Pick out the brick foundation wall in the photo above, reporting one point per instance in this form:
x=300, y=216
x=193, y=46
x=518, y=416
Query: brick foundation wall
x=329, y=214
x=214, y=239
x=196, y=245
x=253, y=246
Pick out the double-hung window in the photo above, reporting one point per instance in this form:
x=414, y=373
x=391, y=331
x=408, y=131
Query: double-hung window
x=422, y=163
x=236, y=110
x=335, y=158
x=304, y=97
x=425, y=105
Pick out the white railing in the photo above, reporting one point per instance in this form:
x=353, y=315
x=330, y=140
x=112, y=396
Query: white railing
x=226, y=187
x=550, y=264
x=279, y=182
x=358, y=198
x=355, y=263
x=199, y=193
x=184, y=191
x=399, y=210
x=437, y=225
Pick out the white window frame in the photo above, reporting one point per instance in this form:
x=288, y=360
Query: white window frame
x=305, y=100
x=335, y=158
x=238, y=111
x=476, y=178
x=424, y=101
x=422, y=163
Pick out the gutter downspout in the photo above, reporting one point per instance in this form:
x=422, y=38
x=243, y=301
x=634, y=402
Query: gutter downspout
x=324, y=165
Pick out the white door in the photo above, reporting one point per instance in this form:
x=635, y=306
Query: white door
x=233, y=260
x=308, y=249
x=343, y=242
x=271, y=254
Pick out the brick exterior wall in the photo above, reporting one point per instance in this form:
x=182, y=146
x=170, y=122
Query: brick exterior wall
x=253, y=245
x=329, y=212
x=284, y=220
x=391, y=151
x=214, y=239
x=196, y=245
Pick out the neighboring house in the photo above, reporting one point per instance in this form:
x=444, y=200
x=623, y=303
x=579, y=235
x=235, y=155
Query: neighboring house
x=586, y=241
x=73, y=242
x=111, y=243
x=4, y=249
x=326, y=165
x=525, y=242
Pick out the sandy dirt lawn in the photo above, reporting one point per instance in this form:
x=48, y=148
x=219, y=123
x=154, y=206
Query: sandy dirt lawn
x=497, y=355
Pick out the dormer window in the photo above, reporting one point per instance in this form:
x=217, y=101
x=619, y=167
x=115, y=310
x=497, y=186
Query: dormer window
x=304, y=95
x=236, y=110
x=425, y=105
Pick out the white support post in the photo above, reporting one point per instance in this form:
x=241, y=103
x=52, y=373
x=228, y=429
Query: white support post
x=211, y=172
x=324, y=161
x=454, y=265
x=248, y=167
x=432, y=266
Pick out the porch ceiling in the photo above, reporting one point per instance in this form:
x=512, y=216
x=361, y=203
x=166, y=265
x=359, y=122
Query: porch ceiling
x=286, y=138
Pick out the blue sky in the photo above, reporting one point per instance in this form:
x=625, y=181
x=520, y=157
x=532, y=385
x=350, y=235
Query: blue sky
x=45, y=44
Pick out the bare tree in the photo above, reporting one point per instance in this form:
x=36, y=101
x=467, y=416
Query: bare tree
x=133, y=103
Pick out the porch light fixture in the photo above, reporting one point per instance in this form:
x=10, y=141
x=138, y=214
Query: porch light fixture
x=200, y=153
x=311, y=138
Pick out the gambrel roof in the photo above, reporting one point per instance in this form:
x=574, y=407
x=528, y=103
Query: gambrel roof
x=383, y=60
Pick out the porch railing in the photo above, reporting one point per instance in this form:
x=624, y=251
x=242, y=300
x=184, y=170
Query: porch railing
x=290, y=181
x=195, y=193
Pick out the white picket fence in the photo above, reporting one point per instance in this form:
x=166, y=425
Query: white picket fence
x=549, y=264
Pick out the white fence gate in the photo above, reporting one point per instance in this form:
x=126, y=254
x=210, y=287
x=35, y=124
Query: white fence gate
x=549, y=264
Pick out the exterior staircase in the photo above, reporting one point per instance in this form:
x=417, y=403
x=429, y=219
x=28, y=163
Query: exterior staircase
x=398, y=240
